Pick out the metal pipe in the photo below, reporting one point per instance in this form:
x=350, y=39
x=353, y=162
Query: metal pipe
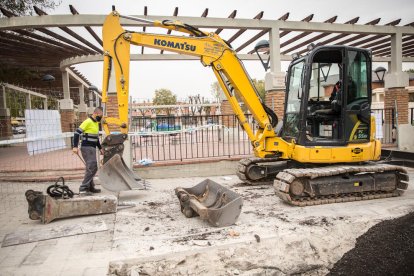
x=137, y=19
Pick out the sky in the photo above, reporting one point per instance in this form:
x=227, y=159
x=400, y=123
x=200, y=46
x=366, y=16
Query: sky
x=186, y=78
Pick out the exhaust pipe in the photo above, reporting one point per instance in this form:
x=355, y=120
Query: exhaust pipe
x=211, y=201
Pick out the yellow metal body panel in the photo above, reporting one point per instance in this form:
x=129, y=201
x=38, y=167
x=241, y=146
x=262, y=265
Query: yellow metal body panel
x=232, y=77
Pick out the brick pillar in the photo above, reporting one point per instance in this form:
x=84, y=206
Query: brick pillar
x=67, y=120
x=275, y=99
x=400, y=95
x=5, y=124
x=5, y=119
x=227, y=114
x=397, y=95
x=82, y=116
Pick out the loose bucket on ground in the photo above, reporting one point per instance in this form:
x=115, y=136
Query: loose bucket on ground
x=211, y=201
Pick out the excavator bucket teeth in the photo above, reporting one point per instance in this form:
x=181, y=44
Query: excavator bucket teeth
x=211, y=201
x=115, y=176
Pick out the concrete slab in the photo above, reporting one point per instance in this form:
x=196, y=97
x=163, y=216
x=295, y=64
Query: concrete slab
x=291, y=238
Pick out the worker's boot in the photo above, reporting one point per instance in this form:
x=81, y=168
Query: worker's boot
x=85, y=192
x=94, y=190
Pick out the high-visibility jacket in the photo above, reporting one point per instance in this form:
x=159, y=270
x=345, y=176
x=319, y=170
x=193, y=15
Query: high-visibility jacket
x=88, y=131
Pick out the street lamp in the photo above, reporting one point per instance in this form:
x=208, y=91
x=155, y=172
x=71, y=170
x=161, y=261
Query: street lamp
x=263, y=47
x=93, y=88
x=49, y=79
x=380, y=72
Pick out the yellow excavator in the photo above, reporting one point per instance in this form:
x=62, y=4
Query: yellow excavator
x=324, y=152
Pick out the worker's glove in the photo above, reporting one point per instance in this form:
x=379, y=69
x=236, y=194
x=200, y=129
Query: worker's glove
x=75, y=150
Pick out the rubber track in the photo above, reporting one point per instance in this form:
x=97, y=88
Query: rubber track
x=245, y=163
x=290, y=175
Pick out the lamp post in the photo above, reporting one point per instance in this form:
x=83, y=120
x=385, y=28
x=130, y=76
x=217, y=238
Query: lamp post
x=380, y=72
x=49, y=79
x=263, y=47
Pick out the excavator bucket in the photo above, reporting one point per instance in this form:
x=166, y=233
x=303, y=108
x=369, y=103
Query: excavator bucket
x=115, y=176
x=211, y=201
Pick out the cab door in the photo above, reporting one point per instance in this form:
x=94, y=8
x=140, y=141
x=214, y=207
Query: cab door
x=357, y=87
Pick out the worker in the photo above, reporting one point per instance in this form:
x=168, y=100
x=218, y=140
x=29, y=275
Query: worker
x=335, y=91
x=335, y=98
x=88, y=131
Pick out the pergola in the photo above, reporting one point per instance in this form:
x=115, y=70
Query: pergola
x=54, y=43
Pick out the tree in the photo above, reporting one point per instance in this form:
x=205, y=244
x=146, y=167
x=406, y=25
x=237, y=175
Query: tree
x=25, y=7
x=411, y=70
x=216, y=90
x=164, y=97
x=260, y=87
x=259, y=84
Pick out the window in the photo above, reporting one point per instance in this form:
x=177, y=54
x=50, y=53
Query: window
x=294, y=96
x=357, y=76
x=295, y=88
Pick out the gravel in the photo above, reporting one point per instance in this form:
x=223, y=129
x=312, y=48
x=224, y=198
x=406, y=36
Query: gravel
x=385, y=249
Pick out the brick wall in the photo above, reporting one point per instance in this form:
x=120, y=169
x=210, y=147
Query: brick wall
x=5, y=127
x=83, y=116
x=401, y=96
x=67, y=120
x=275, y=99
x=112, y=110
x=228, y=114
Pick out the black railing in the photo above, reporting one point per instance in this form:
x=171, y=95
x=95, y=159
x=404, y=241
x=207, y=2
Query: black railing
x=188, y=137
x=412, y=116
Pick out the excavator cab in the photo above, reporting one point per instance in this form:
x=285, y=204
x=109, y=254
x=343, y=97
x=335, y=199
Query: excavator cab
x=328, y=97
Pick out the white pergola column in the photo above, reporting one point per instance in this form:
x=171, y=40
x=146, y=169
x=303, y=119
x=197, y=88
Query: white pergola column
x=67, y=112
x=395, y=76
x=275, y=79
x=82, y=105
x=67, y=102
x=28, y=101
x=91, y=107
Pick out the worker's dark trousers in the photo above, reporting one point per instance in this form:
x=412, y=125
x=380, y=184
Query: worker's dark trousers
x=89, y=155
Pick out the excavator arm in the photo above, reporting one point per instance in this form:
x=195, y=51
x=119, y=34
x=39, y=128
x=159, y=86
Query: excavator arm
x=213, y=51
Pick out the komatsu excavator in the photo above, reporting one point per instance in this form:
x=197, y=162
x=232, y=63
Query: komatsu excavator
x=326, y=150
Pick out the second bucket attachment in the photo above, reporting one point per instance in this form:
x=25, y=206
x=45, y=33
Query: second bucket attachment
x=211, y=201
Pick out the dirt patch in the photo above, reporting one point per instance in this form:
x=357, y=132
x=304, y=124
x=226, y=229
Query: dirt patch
x=386, y=249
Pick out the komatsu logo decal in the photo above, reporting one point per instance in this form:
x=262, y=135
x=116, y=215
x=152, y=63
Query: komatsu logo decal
x=176, y=45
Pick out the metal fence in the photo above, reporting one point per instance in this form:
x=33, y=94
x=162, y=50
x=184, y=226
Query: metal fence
x=161, y=139
x=189, y=137
x=388, y=125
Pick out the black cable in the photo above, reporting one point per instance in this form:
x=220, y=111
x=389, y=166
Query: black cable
x=61, y=191
x=116, y=54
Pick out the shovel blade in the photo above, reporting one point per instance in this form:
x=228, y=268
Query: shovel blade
x=115, y=176
x=211, y=201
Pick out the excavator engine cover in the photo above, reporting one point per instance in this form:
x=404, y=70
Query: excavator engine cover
x=114, y=174
x=211, y=201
